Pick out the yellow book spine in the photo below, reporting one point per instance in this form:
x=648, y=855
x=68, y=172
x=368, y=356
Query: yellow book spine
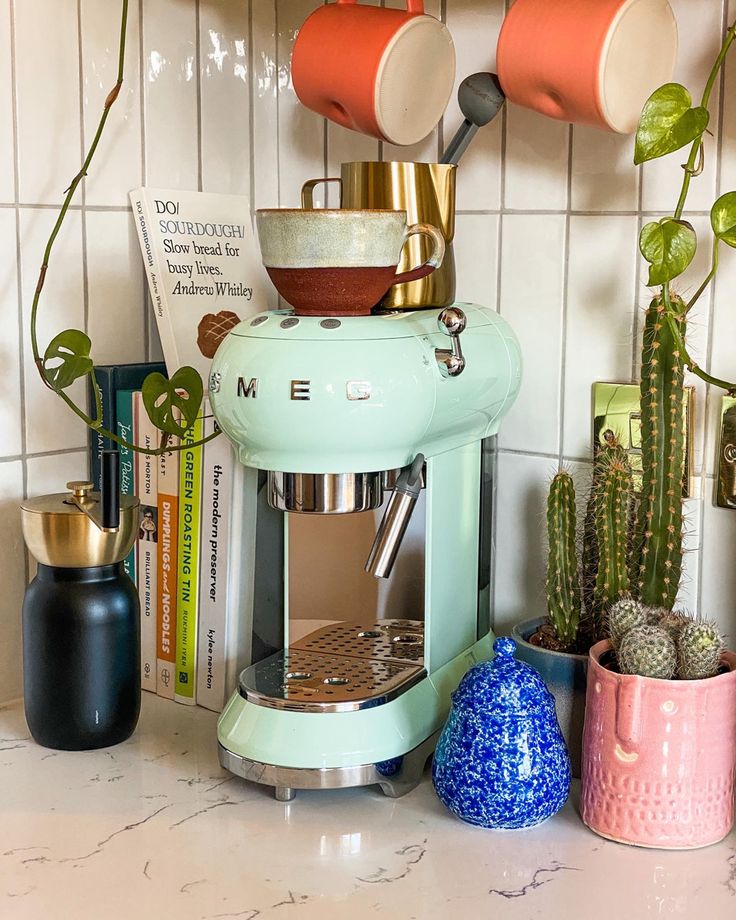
x=190, y=506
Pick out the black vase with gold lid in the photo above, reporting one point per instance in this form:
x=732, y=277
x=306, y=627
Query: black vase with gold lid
x=81, y=617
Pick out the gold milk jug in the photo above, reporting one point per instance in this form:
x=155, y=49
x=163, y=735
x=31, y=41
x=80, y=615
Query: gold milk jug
x=426, y=191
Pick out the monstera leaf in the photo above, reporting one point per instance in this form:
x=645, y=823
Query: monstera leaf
x=162, y=398
x=723, y=219
x=66, y=358
x=668, y=246
x=668, y=122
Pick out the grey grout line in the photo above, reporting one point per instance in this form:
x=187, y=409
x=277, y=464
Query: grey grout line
x=277, y=60
x=19, y=278
x=83, y=183
x=198, y=72
x=637, y=275
x=562, y=381
x=575, y=212
x=251, y=111
x=35, y=206
x=144, y=167
x=14, y=458
x=713, y=289
x=499, y=289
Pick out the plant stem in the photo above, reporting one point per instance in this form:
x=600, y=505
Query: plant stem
x=106, y=433
x=95, y=423
x=708, y=278
x=109, y=101
x=710, y=83
x=685, y=357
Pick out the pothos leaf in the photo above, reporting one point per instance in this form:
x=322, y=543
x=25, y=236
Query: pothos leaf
x=723, y=218
x=668, y=122
x=669, y=247
x=69, y=352
x=172, y=405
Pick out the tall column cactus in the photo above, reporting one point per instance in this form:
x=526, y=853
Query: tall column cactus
x=612, y=501
x=604, y=454
x=563, y=577
x=657, y=552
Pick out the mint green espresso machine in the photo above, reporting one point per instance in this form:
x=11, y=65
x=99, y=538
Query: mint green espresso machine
x=389, y=416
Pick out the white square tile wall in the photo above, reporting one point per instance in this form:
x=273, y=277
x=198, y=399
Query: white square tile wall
x=547, y=226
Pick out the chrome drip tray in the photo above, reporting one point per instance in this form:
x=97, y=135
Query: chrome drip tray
x=385, y=640
x=307, y=681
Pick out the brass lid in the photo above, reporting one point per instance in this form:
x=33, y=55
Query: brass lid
x=63, y=530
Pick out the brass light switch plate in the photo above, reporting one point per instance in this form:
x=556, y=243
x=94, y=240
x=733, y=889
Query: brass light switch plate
x=616, y=408
x=726, y=480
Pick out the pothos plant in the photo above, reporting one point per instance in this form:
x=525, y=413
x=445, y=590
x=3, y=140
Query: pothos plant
x=171, y=404
x=668, y=123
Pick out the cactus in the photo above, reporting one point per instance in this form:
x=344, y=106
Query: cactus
x=699, y=648
x=563, y=577
x=657, y=556
x=603, y=455
x=612, y=500
x=648, y=651
x=671, y=620
x=624, y=615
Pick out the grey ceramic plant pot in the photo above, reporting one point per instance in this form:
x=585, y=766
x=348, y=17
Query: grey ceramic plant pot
x=565, y=676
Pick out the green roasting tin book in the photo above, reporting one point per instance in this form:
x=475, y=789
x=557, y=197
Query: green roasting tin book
x=190, y=508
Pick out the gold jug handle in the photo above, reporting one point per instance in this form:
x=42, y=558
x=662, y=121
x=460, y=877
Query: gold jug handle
x=308, y=191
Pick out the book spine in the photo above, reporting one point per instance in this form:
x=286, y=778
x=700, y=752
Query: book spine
x=241, y=581
x=190, y=506
x=124, y=413
x=168, y=521
x=96, y=442
x=217, y=483
x=156, y=287
x=146, y=479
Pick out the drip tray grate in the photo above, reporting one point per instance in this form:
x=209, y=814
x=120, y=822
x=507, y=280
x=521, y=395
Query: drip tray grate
x=306, y=681
x=383, y=640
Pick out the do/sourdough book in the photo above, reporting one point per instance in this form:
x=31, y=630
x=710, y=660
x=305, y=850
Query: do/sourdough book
x=203, y=267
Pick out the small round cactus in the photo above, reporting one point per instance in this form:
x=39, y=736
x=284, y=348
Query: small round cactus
x=699, y=647
x=623, y=616
x=671, y=620
x=648, y=651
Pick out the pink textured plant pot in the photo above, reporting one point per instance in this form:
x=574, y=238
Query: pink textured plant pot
x=659, y=757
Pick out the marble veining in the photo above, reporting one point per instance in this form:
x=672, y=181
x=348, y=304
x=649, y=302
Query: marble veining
x=154, y=825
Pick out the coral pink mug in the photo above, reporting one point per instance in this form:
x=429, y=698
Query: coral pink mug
x=384, y=72
x=593, y=62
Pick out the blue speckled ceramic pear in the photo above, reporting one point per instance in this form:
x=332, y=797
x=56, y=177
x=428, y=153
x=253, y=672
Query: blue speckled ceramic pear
x=501, y=761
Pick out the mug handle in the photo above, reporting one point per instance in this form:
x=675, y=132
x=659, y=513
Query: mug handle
x=433, y=262
x=413, y=6
x=308, y=192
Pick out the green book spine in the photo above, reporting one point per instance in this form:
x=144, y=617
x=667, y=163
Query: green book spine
x=190, y=507
x=124, y=414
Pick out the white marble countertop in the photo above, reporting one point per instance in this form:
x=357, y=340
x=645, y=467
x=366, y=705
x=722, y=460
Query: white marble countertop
x=155, y=828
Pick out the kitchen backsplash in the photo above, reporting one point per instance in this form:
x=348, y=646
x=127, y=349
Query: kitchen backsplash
x=546, y=233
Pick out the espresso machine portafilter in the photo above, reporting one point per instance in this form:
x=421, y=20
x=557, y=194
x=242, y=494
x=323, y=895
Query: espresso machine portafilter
x=337, y=414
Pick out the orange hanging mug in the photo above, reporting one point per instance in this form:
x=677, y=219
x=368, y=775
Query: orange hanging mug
x=587, y=61
x=384, y=72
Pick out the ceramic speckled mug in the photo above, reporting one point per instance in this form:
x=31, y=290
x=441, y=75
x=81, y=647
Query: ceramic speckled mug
x=339, y=262
x=659, y=756
x=587, y=61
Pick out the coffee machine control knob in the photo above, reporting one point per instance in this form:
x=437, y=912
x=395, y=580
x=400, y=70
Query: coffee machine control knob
x=451, y=362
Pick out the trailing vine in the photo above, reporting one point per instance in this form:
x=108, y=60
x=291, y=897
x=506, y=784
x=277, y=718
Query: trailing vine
x=173, y=404
x=668, y=123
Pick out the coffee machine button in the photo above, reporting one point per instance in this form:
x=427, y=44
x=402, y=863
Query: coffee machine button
x=330, y=324
x=289, y=323
x=259, y=321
